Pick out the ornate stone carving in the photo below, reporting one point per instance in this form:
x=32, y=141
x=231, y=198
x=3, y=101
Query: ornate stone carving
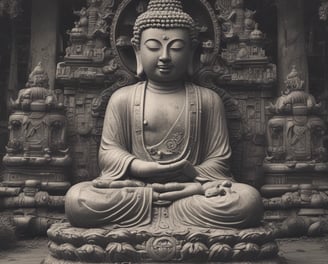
x=296, y=166
x=244, y=59
x=37, y=148
x=142, y=245
x=37, y=155
x=296, y=133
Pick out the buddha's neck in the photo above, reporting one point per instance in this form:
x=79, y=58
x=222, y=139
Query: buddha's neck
x=165, y=87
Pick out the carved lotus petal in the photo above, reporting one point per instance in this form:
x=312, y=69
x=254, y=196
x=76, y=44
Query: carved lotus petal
x=245, y=251
x=53, y=249
x=258, y=236
x=119, y=235
x=67, y=252
x=198, y=237
x=95, y=236
x=268, y=250
x=90, y=253
x=71, y=235
x=220, y=252
x=222, y=236
x=315, y=229
x=121, y=252
x=194, y=250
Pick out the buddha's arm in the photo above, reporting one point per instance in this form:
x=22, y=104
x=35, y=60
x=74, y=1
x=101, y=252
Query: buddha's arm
x=215, y=147
x=174, y=191
x=114, y=152
x=145, y=169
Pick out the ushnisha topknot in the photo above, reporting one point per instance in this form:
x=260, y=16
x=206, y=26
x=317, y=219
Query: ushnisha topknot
x=163, y=14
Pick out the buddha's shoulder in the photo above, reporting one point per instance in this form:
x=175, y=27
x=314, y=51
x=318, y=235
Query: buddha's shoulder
x=208, y=95
x=124, y=93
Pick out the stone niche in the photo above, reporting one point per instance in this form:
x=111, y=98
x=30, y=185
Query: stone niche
x=296, y=166
x=100, y=59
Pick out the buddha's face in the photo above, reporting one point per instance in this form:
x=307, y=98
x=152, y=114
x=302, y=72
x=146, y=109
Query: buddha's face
x=165, y=54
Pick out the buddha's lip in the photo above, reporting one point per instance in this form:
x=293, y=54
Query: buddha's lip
x=165, y=66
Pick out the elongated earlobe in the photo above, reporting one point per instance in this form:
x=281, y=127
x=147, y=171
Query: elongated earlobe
x=140, y=70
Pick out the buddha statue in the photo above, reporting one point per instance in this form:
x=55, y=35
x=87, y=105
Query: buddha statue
x=165, y=141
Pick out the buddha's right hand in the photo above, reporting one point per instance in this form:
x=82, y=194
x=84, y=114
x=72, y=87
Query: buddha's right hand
x=147, y=169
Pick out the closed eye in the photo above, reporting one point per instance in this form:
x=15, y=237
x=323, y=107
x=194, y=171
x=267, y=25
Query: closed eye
x=153, y=45
x=177, y=45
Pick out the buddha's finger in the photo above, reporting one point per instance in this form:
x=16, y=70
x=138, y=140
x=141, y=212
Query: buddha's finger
x=101, y=183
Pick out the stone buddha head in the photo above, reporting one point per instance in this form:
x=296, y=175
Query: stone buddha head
x=164, y=40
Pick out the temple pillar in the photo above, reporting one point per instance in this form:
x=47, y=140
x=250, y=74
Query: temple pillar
x=44, y=25
x=291, y=41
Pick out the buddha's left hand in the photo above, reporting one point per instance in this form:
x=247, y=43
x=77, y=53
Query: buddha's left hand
x=105, y=183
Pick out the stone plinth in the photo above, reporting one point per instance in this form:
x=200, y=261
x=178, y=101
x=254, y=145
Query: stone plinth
x=159, y=242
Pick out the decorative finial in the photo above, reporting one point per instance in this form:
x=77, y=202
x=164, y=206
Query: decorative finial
x=164, y=14
x=38, y=77
x=293, y=81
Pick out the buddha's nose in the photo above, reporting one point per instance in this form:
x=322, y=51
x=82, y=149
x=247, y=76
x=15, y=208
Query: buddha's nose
x=165, y=57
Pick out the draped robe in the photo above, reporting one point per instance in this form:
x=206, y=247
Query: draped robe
x=204, y=142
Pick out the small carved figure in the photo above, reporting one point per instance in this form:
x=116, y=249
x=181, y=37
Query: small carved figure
x=301, y=132
x=249, y=19
x=83, y=14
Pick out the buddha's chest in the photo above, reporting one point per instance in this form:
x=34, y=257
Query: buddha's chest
x=161, y=113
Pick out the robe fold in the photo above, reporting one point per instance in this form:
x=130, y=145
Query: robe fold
x=204, y=142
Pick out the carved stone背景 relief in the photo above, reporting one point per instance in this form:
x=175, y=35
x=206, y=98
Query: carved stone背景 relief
x=37, y=157
x=163, y=154
x=296, y=133
x=37, y=147
x=296, y=166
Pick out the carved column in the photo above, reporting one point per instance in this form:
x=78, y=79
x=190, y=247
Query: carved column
x=291, y=40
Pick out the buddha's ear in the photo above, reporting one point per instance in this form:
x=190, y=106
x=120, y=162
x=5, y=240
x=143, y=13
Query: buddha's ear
x=140, y=69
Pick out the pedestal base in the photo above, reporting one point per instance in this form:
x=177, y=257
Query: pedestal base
x=145, y=244
x=52, y=260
